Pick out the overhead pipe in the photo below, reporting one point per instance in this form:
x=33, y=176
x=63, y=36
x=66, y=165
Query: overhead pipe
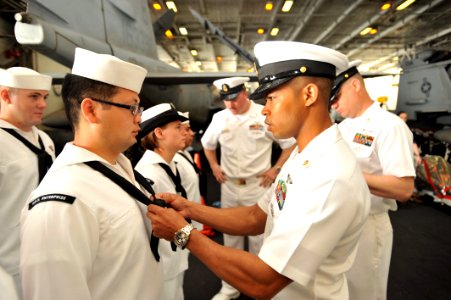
x=402, y=22
x=304, y=21
x=370, y=22
x=334, y=25
x=403, y=52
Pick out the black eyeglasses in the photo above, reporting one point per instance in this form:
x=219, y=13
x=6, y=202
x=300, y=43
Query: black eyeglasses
x=134, y=109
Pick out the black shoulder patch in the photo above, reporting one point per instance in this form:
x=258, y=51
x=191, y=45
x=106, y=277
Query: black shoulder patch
x=51, y=197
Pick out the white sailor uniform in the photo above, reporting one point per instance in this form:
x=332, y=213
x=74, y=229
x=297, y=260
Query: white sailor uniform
x=84, y=237
x=19, y=176
x=315, y=218
x=382, y=143
x=190, y=179
x=175, y=263
x=246, y=146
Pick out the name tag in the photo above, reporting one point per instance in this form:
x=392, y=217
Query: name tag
x=51, y=197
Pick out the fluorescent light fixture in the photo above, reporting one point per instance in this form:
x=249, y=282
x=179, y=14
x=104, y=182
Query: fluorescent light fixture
x=287, y=5
x=260, y=31
x=156, y=6
x=269, y=5
x=183, y=31
x=194, y=52
x=386, y=6
x=274, y=31
x=365, y=31
x=404, y=4
x=171, y=5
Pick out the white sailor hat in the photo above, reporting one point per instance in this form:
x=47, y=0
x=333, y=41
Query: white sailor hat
x=230, y=87
x=186, y=115
x=157, y=116
x=24, y=78
x=108, y=69
x=341, y=78
x=280, y=61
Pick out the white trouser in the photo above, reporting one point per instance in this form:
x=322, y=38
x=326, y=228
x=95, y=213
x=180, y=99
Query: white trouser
x=368, y=276
x=18, y=282
x=7, y=286
x=234, y=195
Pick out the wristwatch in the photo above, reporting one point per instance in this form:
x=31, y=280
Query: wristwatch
x=181, y=237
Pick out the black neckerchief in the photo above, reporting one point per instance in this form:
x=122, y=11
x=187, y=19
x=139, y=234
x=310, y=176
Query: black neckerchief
x=45, y=160
x=135, y=193
x=191, y=163
x=175, y=179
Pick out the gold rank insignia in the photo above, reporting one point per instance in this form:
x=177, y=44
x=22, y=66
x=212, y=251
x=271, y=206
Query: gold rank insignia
x=225, y=88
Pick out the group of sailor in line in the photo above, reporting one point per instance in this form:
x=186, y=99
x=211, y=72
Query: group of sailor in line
x=90, y=225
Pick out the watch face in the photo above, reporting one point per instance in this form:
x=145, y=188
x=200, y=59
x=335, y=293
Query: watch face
x=181, y=238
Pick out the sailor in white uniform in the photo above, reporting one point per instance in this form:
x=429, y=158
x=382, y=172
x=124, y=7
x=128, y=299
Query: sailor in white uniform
x=162, y=136
x=314, y=213
x=26, y=153
x=84, y=235
x=189, y=171
x=244, y=169
x=383, y=145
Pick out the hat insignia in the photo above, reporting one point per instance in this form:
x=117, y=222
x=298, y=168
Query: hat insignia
x=346, y=75
x=225, y=88
x=303, y=69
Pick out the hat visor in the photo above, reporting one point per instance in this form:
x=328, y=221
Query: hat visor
x=230, y=97
x=265, y=88
x=335, y=91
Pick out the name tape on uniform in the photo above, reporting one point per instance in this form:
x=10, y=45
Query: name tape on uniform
x=52, y=197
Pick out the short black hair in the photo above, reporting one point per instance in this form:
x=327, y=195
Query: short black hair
x=76, y=88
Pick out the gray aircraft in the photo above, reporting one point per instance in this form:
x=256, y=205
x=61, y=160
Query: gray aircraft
x=425, y=94
x=425, y=87
x=121, y=28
